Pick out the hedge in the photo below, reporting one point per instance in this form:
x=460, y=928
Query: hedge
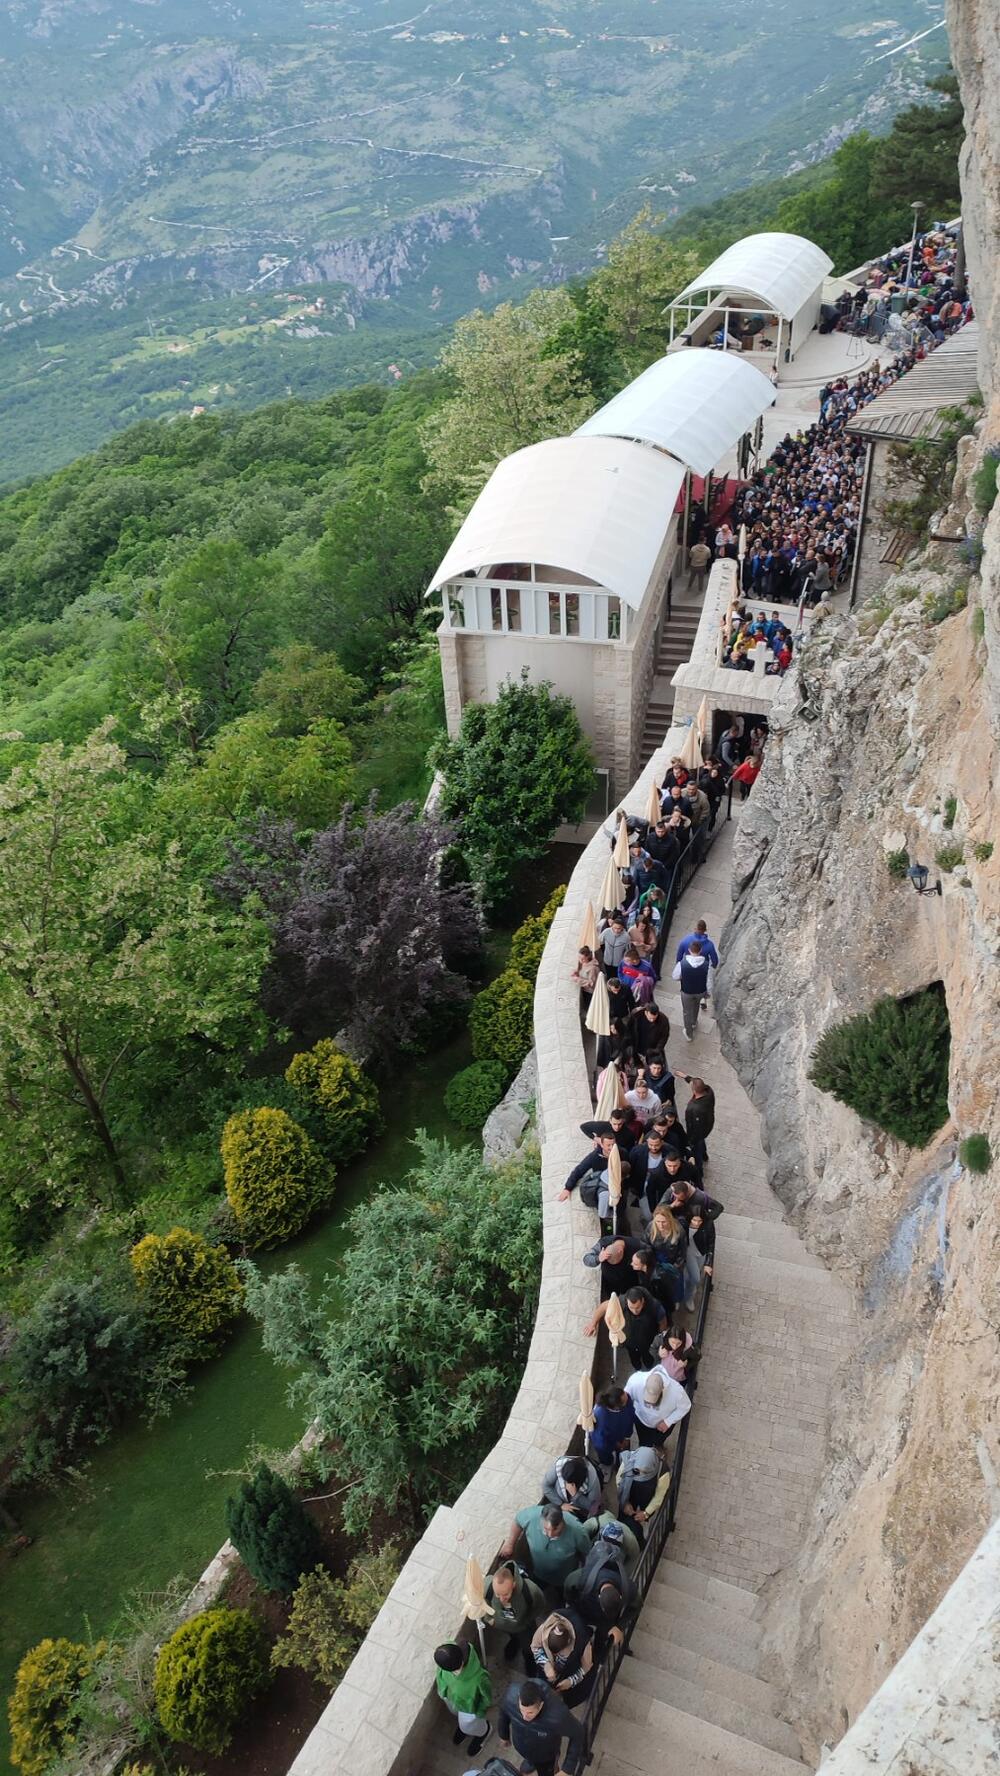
x=500, y=1022
x=43, y=1707
x=338, y=1092
x=188, y=1287
x=206, y=1673
x=473, y=1092
x=275, y=1175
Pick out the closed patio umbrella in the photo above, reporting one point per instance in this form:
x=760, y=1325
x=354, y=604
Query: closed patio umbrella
x=474, y=1600
x=701, y=720
x=588, y=930
x=653, y=805
x=691, y=750
x=622, y=856
x=742, y=543
x=598, y=1018
x=586, y=1418
x=614, y=1319
x=614, y=1183
x=611, y=887
x=610, y=1097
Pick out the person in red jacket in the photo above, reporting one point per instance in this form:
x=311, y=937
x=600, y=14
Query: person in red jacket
x=746, y=775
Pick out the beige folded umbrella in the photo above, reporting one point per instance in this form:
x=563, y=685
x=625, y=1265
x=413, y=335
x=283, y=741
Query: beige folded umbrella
x=588, y=930
x=598, y=1018
x=614, y=1183
x=611, y=887
x=701, y=720
x=586, y=1418
x=614, y=1319
x=611, y=1095
x=691, y=750
x=474, y=1600
x=622, y=854
x=653, y=805
x=741, y=546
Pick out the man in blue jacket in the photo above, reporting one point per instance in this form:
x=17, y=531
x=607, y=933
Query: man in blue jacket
x=698, y=935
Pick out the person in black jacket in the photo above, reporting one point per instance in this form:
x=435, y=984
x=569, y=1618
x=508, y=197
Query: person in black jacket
x=648, y=1168
x=677, y=1173
x=670, y=1128
x=618, y=1126
x=535, y=1720
x=699, y=1119
x=650, y=1031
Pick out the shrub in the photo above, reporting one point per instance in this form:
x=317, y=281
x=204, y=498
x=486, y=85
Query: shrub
x=974, y=1153
x=950, y=810
x=948, y=857
x=275, y=1175
x=983, y=851
x=271, y=1532
x=188, y=1287
x=330, y=1617
x=43, y=1708
x=984, y=483
x=891, y=1065
x=206, y=1674
x=500, y=1022
x=979, y=622
x=471, y=1094
x=897, y=863
x=529, y=939
x=337, y=1091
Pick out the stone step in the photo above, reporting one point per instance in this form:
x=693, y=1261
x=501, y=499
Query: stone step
x=659, y=1683
x=701, y=1584
x=699, y=1668
x=665, y=1741
x=726, y=1648
x=666, y=1596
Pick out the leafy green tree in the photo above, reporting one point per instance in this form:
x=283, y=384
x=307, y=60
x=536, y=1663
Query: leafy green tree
x=372, y=567
x=891, y=1065
x=275, y=1175
x=114, y=966
x=44, y=1705
x=643, y=273
x=338, y=1092
x=451, y=1262
x=274, y=1537
x=190, y=1289
x=207, y=1672
x=512, y=388
x=303, y=686
x=248, y=766
x=918, y=159
x=517, y=769
x=330, y=1616
x=847, y=215
x=81, y=1359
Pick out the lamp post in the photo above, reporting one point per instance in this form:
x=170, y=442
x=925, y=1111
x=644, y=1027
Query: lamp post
x=916, y=208
x=918, y=874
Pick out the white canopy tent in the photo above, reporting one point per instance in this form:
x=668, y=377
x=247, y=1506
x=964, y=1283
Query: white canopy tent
x=782, y=273
x=697, y=405
x=598, y=508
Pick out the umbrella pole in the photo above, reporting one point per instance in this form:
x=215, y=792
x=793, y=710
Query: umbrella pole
x=614, y=1362
x=482, y=1640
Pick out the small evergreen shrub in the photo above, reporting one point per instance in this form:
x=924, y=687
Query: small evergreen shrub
x=979, y=622
x=275, y=1175
x=891, y=1065
x=473, y=1092
x=271, y=1532
x=897, y=863
x=948, y=857
x=329, y=1617
x=529, y=939
x=500, y=1022
x=188, y=1288
x=43, y=1710
x=983, y=851
x=950, y=810
x=974, y=1153
x=984, y=483
x=338, y=1092
x=206, y=1673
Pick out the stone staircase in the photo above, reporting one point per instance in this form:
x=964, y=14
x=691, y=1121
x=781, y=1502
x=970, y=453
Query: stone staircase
x=676, y=642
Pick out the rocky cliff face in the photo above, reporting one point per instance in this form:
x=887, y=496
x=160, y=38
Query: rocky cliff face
x=889, y=716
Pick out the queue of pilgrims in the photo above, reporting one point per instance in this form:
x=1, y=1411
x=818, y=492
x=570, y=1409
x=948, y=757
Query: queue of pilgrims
x=563, y=1592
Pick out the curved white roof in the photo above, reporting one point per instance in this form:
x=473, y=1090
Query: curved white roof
x=781, y=270
x=696, y=404
x=599, y=507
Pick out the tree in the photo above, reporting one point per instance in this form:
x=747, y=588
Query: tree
x=329, y=1616
x=891, y=1065
x=381, y=548
x=847, y=214
x=190, y=1290
x=518, y=768
x=44, y=1705
x=512, y=388
x=302, y=686
x=643, y=273
x=113, y=967
x=363, y=928
x=275, y=1175
x=338, y=1092
x=271, y=1532
x=452, y=1266
x=248, y=765
x=81, y=1359
x=207, y=1672
x=918, y=159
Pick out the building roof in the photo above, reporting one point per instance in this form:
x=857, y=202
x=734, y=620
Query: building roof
x=599, y=507
x=781, y=270
x=913, y=406
x=696, y=404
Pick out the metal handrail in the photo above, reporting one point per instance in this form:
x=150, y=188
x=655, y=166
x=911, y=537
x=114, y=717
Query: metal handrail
x=663, y=1525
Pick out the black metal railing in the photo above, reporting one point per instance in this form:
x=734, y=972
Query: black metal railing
x=661, y=1528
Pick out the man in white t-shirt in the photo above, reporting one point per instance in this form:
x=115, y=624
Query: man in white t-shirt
x=659, y=1402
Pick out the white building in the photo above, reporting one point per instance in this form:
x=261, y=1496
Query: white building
x=767, y=287
x=564, y=561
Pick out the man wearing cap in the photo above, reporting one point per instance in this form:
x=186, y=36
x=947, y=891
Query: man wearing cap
x=614, y=1541
x=659, y=1402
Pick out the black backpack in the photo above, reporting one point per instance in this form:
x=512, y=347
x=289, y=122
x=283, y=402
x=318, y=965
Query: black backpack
x=606, y=1564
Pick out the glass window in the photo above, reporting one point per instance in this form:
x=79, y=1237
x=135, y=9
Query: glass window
x=456, y=609
x=614, y=619
x=572, y=613
x=496, y=607
x=555, y=613
x=513, y=610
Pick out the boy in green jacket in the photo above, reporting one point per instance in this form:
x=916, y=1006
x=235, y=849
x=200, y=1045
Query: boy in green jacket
x=464, y=1688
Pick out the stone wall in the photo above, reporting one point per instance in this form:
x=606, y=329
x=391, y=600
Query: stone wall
x=377, y=1721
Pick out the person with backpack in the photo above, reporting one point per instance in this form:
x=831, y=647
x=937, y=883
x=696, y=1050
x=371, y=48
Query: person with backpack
x=563, y=1650
x=692, y=972
x=466, y=1691
x=518, y=1606
x=574, y=1483
x=638, y=1477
